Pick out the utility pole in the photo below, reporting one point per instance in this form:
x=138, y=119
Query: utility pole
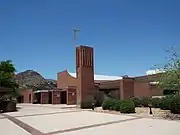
x=75, y=35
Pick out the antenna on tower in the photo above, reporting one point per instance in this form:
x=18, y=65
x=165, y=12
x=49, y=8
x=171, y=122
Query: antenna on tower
x=75, y=35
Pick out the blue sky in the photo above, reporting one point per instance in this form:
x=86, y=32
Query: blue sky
x=128, y=36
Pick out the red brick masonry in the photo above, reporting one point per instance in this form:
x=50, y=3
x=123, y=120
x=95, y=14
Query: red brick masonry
x=56, y=97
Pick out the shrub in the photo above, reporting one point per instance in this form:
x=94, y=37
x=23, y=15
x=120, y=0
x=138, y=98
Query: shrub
x=108, y=104
x=86, y=104
x=145, y=101
x=116, y=105
x=99, y=97
x=175, y=105
x=127, y=106
x=170, y=96
x=156, y=102
x=165, y=103
x=136, y=101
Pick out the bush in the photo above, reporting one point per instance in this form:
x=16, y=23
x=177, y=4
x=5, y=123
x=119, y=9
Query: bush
x=156, y=102
x=175, y=105
x=86, y=104
x=165, y=103
x=145, y=101
x=99, y=97
x=127, y=106
x=136, y=101
x=108, y=104
x=116, y=105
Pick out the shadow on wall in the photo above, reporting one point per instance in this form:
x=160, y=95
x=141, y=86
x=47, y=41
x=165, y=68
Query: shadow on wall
x=111, y=94
x=100, y=96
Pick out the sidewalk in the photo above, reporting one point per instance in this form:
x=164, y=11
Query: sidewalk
x=53, y=120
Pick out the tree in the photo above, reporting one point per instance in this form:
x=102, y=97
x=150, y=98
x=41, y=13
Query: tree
x=7, y=72
x=170, y=77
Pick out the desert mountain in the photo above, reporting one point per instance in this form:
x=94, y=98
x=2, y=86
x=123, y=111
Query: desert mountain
x=33, y=79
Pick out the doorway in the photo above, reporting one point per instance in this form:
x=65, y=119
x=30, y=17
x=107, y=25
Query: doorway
x=37, y=98
x=63, y=97
x=29, y=98
x=20, y=99
x=50, y=97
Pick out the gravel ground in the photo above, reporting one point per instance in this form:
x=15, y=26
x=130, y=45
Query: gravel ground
x=144, y=112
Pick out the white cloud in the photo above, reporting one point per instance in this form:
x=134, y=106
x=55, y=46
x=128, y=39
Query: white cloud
x=155, y=71
x=101, y=77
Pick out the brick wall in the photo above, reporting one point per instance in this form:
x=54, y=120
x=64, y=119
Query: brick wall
x=144, y=89
x=44, y=97
x=155, y=91
x=64, y=79
x=56, y=97
x=126, y=88
x=141, y=89
x=85, y=73
x=71, y=97
x=27, y=95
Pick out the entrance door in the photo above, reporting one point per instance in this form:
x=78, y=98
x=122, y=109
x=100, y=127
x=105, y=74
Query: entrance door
x=37, y=98
x=29, y=98
x=50, y=97
x=63, y=97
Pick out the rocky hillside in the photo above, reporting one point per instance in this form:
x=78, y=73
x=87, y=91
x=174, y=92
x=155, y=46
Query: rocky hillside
x=33, y=79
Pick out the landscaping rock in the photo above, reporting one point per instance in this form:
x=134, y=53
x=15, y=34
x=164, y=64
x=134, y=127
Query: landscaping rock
x=144, y=112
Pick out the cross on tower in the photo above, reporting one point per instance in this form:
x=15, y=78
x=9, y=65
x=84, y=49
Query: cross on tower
x=75, y=35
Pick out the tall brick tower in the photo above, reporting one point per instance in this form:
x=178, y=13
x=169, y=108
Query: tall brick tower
x=84, y=73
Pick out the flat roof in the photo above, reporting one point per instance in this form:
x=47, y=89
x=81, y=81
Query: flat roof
x=38, y=91
x=101, y=77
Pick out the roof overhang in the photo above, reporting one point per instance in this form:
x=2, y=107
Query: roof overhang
x=39, y=91
x=153, y=83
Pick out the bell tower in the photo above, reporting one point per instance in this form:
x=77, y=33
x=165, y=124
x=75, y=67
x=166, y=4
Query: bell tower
x=84, y=73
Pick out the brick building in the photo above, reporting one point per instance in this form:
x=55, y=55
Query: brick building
x=26, y=96
x=76, y=89
x=85, y=85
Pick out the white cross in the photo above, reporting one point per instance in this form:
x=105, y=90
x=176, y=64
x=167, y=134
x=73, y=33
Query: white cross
x=75, y=34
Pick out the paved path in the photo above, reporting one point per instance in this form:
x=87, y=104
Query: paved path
x=62, y=120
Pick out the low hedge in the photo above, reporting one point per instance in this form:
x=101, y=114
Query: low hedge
x=171, y=103
x=116, y=105
x=137, y=101
x=165, y=103
x=87, y=104
x=145, y=101
x=141, y=101
x=175, y=105
x=127, y=106
x=156, y=102
x=108, y=104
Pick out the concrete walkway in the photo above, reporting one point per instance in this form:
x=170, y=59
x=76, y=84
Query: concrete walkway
x=63, y=120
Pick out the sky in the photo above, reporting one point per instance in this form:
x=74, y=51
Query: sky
x=129, y=36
